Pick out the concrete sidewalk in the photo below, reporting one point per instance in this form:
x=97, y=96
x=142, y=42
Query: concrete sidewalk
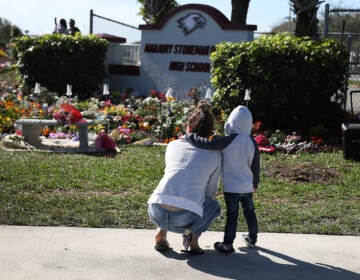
x=91, y=253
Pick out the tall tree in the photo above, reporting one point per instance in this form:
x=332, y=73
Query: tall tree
x=239, y=11
x=153, y=11
x=306, y=17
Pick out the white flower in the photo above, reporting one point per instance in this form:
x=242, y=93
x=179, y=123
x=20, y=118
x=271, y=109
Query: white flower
x=151, y=100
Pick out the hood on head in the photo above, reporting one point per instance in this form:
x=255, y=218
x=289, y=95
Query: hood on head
x=240, y=121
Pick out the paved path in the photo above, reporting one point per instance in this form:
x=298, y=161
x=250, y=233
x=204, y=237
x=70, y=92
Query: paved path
x=90, y=253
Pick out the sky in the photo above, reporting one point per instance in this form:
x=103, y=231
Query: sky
x=38, y=16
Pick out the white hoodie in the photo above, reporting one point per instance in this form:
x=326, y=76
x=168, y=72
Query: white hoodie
x=238, y=160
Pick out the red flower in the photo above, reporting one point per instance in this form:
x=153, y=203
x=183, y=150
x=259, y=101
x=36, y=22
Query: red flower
x=264, y=144
x=154, y=93
x=162, y=96
x=67, y=114
x=262, y=140
x=316, y=139
x=75, y=115
x=268, y=149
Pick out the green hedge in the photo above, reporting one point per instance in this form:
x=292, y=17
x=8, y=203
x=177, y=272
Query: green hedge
x=56, y=60
x=292, y=80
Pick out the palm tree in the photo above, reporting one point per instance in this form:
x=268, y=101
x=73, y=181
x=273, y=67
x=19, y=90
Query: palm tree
x=239, y=11
x=154, y=11
x=306, y=19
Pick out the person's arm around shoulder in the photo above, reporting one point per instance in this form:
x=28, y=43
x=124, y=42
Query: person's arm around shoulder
x=218, y=143
x=255, y=165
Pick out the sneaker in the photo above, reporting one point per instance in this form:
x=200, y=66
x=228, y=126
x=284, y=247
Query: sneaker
x=248, y=241
x=224, y=248
x=187, y=238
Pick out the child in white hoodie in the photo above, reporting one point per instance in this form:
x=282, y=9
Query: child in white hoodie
x=240, y=175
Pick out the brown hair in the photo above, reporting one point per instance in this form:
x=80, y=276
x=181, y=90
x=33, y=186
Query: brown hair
x=201, y=120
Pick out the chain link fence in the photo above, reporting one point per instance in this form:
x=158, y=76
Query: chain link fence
x=336, y=19
x=352, y=42
x=353, y=101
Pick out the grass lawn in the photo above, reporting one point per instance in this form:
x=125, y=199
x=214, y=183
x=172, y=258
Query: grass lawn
x=303, y=193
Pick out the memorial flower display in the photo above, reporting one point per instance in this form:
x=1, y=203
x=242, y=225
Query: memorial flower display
x=159, y=117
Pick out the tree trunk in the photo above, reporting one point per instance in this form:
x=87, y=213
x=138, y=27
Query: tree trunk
x=306, y=17
x=239, y=11
x=306, y=25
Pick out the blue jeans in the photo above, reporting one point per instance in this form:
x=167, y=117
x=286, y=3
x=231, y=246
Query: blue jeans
x=232, y=201
x=177, y=221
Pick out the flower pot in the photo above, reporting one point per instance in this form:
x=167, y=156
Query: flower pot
x=31, y=134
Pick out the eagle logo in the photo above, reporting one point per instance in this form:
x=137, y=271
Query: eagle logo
x=191, y=22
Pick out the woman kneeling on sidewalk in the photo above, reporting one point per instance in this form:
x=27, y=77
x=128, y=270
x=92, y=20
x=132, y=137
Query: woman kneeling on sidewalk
x=184, y=201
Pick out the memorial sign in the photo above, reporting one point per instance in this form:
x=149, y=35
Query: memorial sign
x=175, y=52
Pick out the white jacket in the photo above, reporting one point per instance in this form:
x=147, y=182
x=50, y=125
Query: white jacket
x=238, y=156
x=190, y=175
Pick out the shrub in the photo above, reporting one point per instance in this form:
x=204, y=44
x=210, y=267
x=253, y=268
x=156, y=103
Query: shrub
x=56, y=60
x=292, y=80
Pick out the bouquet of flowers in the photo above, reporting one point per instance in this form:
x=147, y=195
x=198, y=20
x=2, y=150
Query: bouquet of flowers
x=67, y=114
x=104, y=143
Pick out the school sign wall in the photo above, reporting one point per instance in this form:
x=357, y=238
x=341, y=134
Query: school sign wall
x=175, y=52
